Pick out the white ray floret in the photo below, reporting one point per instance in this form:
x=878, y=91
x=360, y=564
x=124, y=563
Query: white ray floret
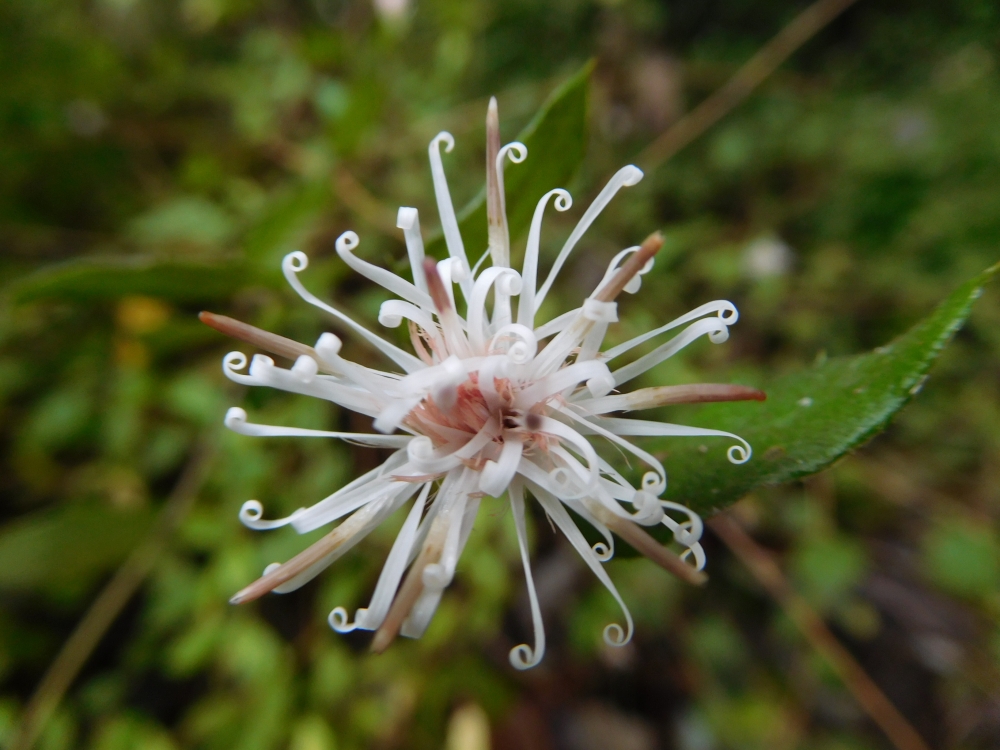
x=492, y=402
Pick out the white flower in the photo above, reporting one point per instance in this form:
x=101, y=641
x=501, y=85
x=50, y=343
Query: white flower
x=490, y=403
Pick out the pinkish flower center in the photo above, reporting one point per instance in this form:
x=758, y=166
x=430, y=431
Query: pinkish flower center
x=468, y=414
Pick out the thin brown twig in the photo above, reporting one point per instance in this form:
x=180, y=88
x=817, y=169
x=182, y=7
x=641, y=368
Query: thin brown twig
x=765, y=569
x=112, y=599
x=753, y=72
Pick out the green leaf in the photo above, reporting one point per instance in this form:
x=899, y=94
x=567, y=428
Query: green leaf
x=813, y=417
x=556, y=139
x=109, y=278
x=61, y=551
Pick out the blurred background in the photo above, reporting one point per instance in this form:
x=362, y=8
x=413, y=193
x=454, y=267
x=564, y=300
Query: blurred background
x=159, y=158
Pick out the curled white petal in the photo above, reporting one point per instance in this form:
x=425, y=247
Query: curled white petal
x=305, y=368
x=449, y=222
x=526, y=307
x=686, y=533
x=423, y=456
x=523, y=347
x=557, y=324
x=601, y=385
x=232, y=363
x=724, y=310
x=654, y=481
x=598, y=311
x=251, y=515
x=340, y=621
x=507, y=281
x=624, y=177
x=497, y=475
x=393, y=311
x=408, y=220
x=614, y=634
x=579, y=444
x=395, y=565
x=328, y=346
x=515, y=151
x=444, y=269
x=264, y=373
x=345, y=245
x=716, y=327
x=648, y=509
x=236, y=420
x=737, y=454
x=393, y=414
x=296, y=262
x=523, y=656
x=559, y=381
x=456, y=514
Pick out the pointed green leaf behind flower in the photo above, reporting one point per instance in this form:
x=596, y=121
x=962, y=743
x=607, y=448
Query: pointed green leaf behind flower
x=813, y=417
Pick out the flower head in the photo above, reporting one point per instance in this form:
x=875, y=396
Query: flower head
x=489, y=403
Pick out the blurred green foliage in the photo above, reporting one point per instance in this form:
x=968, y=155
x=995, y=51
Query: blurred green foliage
x=159, y=157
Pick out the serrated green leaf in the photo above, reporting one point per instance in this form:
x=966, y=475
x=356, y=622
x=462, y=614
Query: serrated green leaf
x=556, y=139
x=109, y=278
x=63, y=550
x=813, y=417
